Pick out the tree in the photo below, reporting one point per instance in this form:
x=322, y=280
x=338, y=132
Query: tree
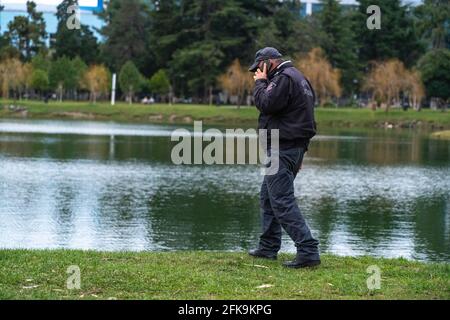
x=236, y=81
x=160, y=83
x=12, y=76
x=73, y=42
x=80, y=68
x=62, y=76
x=434, y=68
x=39, y=80
x=388, y=80
x=125, y=33
x=433, y=17
x=339, y=42
x=27, y=33
x=96, y=80
x=197, y=39
x=283, y=29
x=130, y=80
x=41, y=61
x=414, y=89
x=322, y=76
x=398, y=37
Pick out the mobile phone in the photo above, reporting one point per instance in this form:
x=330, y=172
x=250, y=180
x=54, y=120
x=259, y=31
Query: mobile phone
x=268, y=65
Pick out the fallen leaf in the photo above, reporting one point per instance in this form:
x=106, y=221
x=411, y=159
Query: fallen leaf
x=257, y=266
x=30, y=287
x=265, y=286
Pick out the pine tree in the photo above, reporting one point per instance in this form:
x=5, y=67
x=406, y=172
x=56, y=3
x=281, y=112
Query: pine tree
x=125, y=33
x=27, y=33
x=433, y=23
x=73, y=42
x=339, y=43
x=398, y=37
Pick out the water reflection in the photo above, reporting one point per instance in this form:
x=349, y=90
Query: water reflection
x=371, y=192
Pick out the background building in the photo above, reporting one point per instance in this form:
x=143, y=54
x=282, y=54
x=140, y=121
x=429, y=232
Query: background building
x=13, y=8
x=309, y=7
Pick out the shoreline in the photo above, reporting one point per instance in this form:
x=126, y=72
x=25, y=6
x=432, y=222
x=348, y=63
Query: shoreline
x=43, y=274
x=223, y=115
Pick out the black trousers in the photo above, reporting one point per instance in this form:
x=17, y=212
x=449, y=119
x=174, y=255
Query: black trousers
x=280, y=210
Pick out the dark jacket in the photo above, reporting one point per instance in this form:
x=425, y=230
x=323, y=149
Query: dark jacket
x=286, y=102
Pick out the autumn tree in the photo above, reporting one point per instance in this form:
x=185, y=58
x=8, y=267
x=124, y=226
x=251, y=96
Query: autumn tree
x=236, y=81
x=324, y=79
x=414, y=89
x=96, y=80
x=12, y=76
x=388, y=80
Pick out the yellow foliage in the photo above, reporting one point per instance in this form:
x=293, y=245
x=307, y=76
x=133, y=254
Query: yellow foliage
x=388, y=79
x=96, y=80
x=13, y=76
x=323, y=77
x=236, y=80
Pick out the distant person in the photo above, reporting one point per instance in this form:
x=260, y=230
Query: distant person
x=285, y=100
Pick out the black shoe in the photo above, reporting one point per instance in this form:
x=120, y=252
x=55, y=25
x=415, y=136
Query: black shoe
x=261, y=254
x=301, y=263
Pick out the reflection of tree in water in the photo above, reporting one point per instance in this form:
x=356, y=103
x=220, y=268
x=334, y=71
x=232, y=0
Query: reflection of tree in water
x=372, y=219
x=65, y=202
x=67, y=147
x=322, y=216
x=212, y=219
x=123, y=209
x=431, y=216
x=383, y=148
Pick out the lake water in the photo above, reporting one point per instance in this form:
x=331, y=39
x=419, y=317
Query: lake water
x=109, y=186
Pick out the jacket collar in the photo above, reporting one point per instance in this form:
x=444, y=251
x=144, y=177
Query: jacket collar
x=280, y=68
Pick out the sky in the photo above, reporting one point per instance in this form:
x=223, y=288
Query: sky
x=87, y=17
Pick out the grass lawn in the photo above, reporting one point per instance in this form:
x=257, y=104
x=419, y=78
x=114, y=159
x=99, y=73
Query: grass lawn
x=211, y=275
x=159, y=113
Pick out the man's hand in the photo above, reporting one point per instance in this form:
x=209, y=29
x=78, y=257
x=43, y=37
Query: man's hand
x=261, y=74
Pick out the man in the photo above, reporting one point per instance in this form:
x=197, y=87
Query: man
x=285, y=100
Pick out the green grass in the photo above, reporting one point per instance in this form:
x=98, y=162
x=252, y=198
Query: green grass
x=159, y=113
x=211, y=275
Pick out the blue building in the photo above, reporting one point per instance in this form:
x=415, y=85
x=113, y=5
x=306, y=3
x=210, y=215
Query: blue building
x=309, y=7
x=14, y=8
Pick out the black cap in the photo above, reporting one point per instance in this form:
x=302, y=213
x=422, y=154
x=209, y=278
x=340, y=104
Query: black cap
x=265, y=54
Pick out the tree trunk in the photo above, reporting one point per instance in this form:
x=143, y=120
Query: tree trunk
x=210, y=95
x=60, y=93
